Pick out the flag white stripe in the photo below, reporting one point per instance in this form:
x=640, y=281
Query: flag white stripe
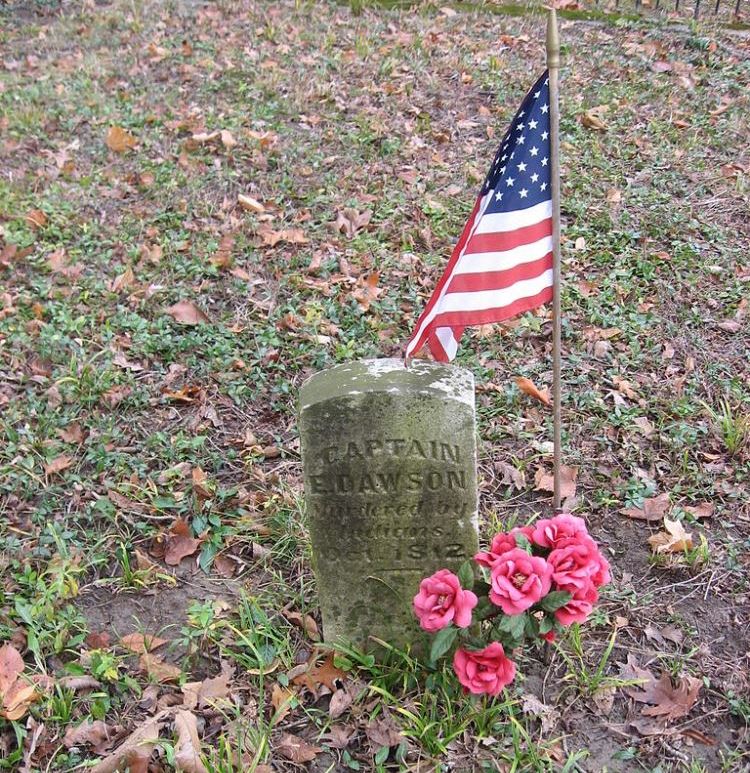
x=479, y=262
x=512, y=221
x=411, y=346
x=494, y=299
x=448, y=341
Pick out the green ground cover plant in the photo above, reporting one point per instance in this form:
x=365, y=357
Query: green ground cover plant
x=201, y=205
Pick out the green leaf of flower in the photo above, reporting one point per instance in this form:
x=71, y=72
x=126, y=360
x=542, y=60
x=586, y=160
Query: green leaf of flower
x=546, y=624
x=442, y=642
x=531, y=628
x=555, y=600
x=466, y=575
x=513, y=625
x=522, y=542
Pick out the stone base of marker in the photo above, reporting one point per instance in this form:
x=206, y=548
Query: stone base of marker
x=389, y=457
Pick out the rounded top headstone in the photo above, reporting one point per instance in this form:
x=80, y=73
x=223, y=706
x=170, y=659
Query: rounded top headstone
x=388, y=375
x=389, y=458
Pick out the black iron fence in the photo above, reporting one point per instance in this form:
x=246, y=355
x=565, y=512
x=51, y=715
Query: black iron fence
x=724, y=10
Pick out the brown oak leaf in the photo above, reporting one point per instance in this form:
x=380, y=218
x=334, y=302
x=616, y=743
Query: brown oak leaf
x=187, y=313
x=296, y=749
x=545, y=481
x=119, y=140
x=141, y=643
x=528, y=387
x=653, y=509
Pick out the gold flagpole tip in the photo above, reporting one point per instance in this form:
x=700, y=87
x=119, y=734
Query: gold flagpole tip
x=553, y=40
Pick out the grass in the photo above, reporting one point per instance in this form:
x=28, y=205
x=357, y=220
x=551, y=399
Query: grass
x=330, y=109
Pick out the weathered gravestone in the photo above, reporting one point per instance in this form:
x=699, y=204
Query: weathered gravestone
x=389, y=458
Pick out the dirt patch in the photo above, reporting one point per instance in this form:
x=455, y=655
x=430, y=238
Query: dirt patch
x=161, y=611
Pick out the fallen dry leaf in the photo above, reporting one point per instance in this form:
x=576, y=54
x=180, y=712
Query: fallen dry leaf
x=296, y=749
x=326, y=674
x=666, y=700
x=673, y=540
x=545, y=481
x=249, y=204
x=198, y=695
x=281, y=700
x=187, y=748
x=289, y=235
x=180, y=543
x=592, y=119
x=701, y=510
x=367, y=290
x=135, y=749
x=119, y=140
x=528, y=387
x=141, y=643
x=187, y=313
x=349, y=221
x=96, y=734
x=653, y=509
x=36, y=218
x=16, y=695
x=58, y=464
x=159, y=669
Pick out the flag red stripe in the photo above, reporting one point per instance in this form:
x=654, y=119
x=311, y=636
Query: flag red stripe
x=495, y=314
x=499, y=241
x=436, y=347
x=495, y=280
x=445, y=278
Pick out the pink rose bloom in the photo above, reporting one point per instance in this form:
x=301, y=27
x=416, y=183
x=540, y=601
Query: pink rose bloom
x=527, y=531
x=441, y=601
x=579, y=607
x=519, y=581
x=484, y=672
x=502, y=543
x=549, y=531
x=577, y=561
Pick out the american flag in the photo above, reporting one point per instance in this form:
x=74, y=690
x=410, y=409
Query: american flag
x=502, y=264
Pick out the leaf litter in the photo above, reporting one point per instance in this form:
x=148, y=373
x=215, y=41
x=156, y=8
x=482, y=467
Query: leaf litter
x=250, y=158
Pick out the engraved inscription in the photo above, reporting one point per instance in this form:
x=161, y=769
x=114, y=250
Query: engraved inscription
x=403, y=448
x=391, y=483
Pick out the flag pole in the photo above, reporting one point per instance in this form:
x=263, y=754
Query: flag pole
x=553, y=66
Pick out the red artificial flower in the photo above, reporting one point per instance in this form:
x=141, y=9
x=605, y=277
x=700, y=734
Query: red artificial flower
x=518, y=581
x=549, y=531
x=441, y=601
x=486, y=671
